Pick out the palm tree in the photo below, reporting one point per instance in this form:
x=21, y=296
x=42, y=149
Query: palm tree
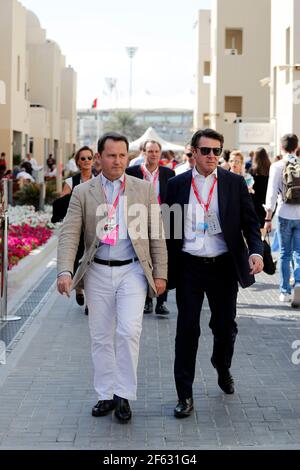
x=125, y=123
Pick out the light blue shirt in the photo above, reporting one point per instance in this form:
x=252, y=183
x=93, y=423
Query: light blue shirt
x=123, y=250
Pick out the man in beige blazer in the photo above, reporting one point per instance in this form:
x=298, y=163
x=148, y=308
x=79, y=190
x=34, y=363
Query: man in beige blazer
x=125, y=257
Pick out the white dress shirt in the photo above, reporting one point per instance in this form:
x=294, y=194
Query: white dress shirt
x=151, y=178
x=123, y=250
x=274, y=192
x=206, y=245
x=182, y=168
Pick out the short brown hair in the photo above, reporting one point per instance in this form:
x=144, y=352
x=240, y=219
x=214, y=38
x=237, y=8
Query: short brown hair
x=77, y=154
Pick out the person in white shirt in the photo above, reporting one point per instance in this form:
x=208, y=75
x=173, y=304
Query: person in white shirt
x=25, y=173
x=188, y=164
x=221, y=246
x=32, y=161
x=288, y=222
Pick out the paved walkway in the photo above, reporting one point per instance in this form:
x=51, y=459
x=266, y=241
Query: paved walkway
x=46, y=392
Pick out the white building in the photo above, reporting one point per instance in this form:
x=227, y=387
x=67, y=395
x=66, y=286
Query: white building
x=240, y=58
x=14, y=114
x=203, y=76
x=39, y=114
x=285, y=68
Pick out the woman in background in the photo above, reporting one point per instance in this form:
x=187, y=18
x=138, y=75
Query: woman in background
x=260, y=171
x=236, y=163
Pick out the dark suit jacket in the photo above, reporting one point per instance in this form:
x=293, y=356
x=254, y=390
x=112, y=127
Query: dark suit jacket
x=164, y=175
x=238, y=221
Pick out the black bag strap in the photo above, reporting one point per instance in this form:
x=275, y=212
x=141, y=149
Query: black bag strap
x=76, y=179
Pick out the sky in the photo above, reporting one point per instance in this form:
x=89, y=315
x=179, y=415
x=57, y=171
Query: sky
x=94, y=34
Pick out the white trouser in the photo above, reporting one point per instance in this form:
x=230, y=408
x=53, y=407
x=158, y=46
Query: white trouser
x=115, y=297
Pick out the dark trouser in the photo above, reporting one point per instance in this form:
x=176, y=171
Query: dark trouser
x=218, y=281
x=80, y=253
x=160, y=299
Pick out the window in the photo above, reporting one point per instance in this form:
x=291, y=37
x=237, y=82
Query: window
x=234, y=41
x=206, y=69
x=206, y=120
x=234, y=104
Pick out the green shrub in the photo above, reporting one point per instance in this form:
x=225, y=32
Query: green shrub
x=29, y=195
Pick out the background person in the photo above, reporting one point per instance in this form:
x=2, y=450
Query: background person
x=158, y=176
x=236, y=164
x=260, y=172
x=189, y=162
x=84, y=160
x=288, y=229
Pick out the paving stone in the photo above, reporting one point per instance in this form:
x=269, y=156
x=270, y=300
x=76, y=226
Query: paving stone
x=46, y=401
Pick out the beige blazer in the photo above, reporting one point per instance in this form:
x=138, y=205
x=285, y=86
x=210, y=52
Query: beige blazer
x=86, y=199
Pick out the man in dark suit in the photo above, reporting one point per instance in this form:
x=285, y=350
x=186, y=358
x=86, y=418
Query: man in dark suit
x=209, y=257
x=158, y=176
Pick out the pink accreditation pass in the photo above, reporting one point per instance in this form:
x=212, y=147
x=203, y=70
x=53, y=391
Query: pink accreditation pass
x=111, y=232
x=111, y=229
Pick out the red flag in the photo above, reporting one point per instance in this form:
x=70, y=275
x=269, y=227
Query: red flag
x=95, y=103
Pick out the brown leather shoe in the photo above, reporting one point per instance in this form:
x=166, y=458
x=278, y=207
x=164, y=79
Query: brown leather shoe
x=184, y=408
x=103, y=407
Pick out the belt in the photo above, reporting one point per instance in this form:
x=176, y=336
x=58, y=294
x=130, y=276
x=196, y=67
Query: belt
x=206, y=260
x=114, y=263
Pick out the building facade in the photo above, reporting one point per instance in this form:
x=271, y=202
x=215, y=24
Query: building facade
x=285, y=68
x=39, y=114
x=203, y=75
x=240, y=34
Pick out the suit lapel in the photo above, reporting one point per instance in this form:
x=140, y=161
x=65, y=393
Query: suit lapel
x=97, y=191
x=184, y=194
x=162, y=184
x=223, y=194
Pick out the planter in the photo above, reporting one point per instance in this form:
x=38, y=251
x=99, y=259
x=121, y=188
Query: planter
x=27, y=265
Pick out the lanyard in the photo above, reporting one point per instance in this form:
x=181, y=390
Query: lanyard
x=155, y=180
x=112, y=211
x=205, y=206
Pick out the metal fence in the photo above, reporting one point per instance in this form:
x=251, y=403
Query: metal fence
x=4, y=225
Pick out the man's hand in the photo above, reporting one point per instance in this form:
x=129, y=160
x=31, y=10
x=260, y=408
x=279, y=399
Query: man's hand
x=161, y=285
x=268, y=227
x=64, y=284
x=256, y=264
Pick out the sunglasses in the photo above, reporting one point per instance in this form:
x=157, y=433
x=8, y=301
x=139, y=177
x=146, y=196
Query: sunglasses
x=207, y=150
x=83, y=159
x=189, y=154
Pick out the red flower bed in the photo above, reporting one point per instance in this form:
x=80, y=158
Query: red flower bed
x=23, y=239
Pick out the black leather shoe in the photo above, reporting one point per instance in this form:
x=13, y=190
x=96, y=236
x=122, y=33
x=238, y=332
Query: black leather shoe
x=122, y=411
x=148, y=307
x=103, y=407
x=162, y=310
x=225, y=381
x=80, y=299
x=184, y=408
